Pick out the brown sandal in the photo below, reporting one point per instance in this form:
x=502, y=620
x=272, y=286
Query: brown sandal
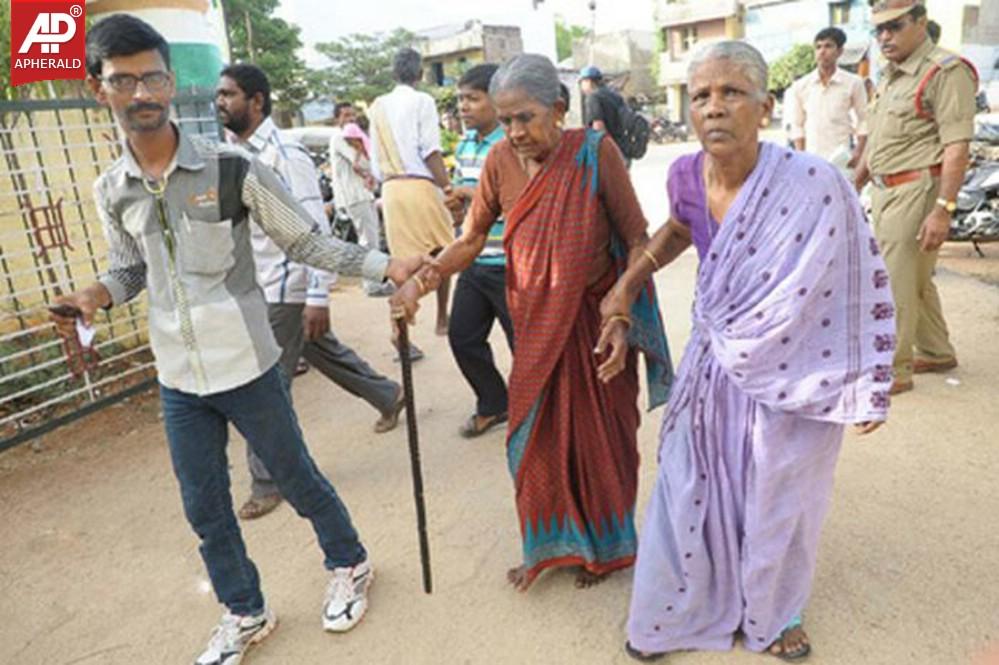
x=258, y=507
x=472, y=427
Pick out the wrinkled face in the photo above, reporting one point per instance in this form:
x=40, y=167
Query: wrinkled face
x=137, y=88
x=233, y=105
x=827, y=53
x=899, y=38
x=726, y=108
x=346, y=116
x=532, y=128
x=476, y=108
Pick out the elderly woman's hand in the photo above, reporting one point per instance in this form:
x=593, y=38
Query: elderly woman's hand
x=613, y=334
x=617, y=302
x=405, y=302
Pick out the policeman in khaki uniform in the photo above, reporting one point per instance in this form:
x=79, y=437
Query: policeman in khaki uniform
x=920, y=122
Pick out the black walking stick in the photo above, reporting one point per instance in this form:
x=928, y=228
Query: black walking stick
x=414, y=453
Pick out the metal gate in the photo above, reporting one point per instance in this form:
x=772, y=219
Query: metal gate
x=51, y=242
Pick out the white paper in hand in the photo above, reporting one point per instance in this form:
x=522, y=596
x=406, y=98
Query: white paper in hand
x=85, y=333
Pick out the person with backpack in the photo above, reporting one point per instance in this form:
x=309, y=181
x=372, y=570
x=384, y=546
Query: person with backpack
x=920, y=125
x=605, y=110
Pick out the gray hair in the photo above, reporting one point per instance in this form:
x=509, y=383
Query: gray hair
x=742, y=55
x=534, y=74
x=406, y=65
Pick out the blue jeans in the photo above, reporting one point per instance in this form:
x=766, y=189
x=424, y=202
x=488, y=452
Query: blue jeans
x=197, y=431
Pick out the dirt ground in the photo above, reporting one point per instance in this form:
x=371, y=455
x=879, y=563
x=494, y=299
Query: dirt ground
x=98, y=566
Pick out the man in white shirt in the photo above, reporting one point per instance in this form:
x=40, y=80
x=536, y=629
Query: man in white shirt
x=297, y=296
x=830, y=106
x=405, y=135
x=351, y=190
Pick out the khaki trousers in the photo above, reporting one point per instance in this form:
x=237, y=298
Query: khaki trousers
x=898, y=215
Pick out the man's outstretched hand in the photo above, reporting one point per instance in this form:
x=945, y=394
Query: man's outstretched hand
x=399, y=270
x=81, y=304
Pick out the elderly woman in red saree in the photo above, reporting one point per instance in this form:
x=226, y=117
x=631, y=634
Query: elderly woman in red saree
x=573, y=224
x=792, y=339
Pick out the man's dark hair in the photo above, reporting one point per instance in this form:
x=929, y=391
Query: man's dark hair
x=407, y=65
x=122, y=34
x=834, y=35
x=934, y=30
x=917, y=12
x=252, y=81
x=565, y=95
x=339, y=106
x=478, y=77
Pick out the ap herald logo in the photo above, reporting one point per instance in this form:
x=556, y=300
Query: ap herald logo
x=47, y=40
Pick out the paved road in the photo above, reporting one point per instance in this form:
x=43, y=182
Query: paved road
x=98, y=567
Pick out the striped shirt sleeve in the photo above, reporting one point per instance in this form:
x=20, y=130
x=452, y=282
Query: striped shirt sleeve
x=126, y=274
x=291, y=227
x=304, y=183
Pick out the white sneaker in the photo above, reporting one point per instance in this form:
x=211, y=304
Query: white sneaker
x=347, y=597
x=234, y=635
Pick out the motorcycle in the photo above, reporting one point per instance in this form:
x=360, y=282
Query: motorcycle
x=663, y=130
x=976, y=219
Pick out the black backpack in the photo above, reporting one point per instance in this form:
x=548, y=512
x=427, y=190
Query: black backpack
x=635, y=129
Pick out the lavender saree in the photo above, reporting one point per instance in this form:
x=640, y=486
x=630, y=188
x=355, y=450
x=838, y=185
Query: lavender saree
x=792, y=339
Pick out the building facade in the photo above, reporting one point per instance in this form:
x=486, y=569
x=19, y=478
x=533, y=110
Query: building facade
x=683, y=28
x=624, y=57
x=451, y=49
x=775, y=26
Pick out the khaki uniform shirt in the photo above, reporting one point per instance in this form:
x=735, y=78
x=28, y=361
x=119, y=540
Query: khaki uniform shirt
x=899, y=140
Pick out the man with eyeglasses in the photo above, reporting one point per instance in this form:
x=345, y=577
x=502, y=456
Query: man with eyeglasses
x=920, y=124
x=176, y=212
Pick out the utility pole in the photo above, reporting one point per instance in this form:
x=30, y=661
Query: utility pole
x=593, y=28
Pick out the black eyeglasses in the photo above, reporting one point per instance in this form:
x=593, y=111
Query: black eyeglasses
x=894, y=27
x=153, y=81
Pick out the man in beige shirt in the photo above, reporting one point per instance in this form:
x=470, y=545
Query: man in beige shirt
x=830, y=105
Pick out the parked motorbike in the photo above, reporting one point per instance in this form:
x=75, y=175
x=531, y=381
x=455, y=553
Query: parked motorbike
x=663, y=130
x=976, y=219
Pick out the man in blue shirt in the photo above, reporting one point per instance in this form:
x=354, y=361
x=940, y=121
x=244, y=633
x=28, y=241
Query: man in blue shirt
x=480, y=295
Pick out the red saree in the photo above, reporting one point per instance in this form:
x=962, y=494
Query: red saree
x=572, y=440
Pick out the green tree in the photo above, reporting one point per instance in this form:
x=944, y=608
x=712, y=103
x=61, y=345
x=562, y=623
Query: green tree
x=791, y=66
x=360, y=65
x=565, y=35
x=271, y=43
x=8, y=92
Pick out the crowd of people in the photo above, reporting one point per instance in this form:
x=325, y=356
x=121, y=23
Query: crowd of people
x=805, y=320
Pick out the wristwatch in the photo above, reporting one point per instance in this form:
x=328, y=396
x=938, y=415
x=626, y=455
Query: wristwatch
x=949, y=206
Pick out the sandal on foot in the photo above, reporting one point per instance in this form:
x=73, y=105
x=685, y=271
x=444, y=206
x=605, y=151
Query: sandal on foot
x=258, y=507
x=641, y=655
x=473, y=427
x=800, y=653
x=389, y=419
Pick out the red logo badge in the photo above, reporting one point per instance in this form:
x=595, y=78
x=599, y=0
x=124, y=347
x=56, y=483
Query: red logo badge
x=47, y=40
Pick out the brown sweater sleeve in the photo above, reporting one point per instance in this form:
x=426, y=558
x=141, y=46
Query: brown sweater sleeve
x=618, y=195
x=485, y=208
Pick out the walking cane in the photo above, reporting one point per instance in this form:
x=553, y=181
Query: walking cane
x=414, y=453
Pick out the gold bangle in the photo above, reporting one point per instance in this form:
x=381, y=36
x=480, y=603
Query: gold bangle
x=651, y=257
x=623, y=318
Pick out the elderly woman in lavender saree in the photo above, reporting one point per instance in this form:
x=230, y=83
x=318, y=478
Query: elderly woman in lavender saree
x=792, y=339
